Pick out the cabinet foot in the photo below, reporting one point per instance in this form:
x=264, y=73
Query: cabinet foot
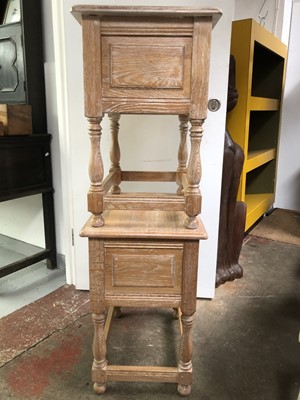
x=184, y=390
x=191, y=223
x=99, y=388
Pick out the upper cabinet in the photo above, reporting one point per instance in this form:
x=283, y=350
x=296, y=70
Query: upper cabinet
x=254, y=122
x=21, y=58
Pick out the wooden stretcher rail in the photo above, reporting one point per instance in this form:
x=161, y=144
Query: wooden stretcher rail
x=151, y=201
x=148, y=176
x=110, y=179
x=120, y=373
x=184, y=181
x=125, y=373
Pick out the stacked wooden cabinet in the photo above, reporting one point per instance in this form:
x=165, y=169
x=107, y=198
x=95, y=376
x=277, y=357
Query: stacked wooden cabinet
x=254, y=123
x=143, y=248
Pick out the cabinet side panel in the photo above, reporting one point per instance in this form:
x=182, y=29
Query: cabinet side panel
x=92, y=66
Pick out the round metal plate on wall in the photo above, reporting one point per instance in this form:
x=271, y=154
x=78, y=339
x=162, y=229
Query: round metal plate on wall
x=214, y=105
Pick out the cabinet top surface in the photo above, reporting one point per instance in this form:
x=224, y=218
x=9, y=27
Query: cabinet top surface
x=145, y=11
x=144, y=225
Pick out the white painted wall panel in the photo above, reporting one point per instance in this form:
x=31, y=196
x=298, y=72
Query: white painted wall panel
x=288, y=171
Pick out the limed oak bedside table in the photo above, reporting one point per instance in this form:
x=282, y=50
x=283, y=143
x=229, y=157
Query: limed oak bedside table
x=143, y=248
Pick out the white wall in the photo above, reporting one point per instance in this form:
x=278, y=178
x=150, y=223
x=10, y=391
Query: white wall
x=22, y=219
x=270, y=15
x=288, y=171
x=133, y=127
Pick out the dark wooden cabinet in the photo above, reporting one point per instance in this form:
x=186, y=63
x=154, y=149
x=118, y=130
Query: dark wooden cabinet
x=22, y=78
x=25, y=161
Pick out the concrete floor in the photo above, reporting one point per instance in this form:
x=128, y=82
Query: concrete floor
x=246, y=344
x=29, y=284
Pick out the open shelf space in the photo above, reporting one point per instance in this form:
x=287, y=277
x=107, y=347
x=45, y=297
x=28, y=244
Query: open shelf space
x=267, y=72
x=259, y=196
x=261, y=179
x=263, y=130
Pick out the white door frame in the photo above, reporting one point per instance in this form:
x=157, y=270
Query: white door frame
x=64, y=135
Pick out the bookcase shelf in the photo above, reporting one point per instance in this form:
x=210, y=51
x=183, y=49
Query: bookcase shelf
x=257, y=158
x=254, y=123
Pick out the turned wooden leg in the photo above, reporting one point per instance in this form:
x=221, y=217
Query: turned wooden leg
x=182, y=152
x=95, y=195
x=185, y=358
x=193, y=195
x=115, y=153
x=99, y=352
x=188, y=308
x=97, y=278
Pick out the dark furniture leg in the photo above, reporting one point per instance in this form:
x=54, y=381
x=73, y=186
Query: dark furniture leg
x=49, y=229
x=26, y=161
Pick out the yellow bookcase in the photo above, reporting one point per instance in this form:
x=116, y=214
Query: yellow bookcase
x=254, y=123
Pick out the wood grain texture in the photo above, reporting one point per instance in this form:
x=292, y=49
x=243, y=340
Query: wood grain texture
x=182, y=153
x=146, y=106
x=132, y=272
x=132, y=224
x=130, y=66
x=200, y=67
x=141, y=374
x=143, y=300
x=143, y=201
x=99, y=352
x=148, y=176
x=189, y=277
x=92, y=66
x=192, y=194
x=143, y=267
x=110, y=179
x=95, y=195
x=146, y=26
x=16, y=119
x=146, y=68
x=185, y=357
x=108, y=321
x=80, y=11
x=96, y=273
x=115, y=152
